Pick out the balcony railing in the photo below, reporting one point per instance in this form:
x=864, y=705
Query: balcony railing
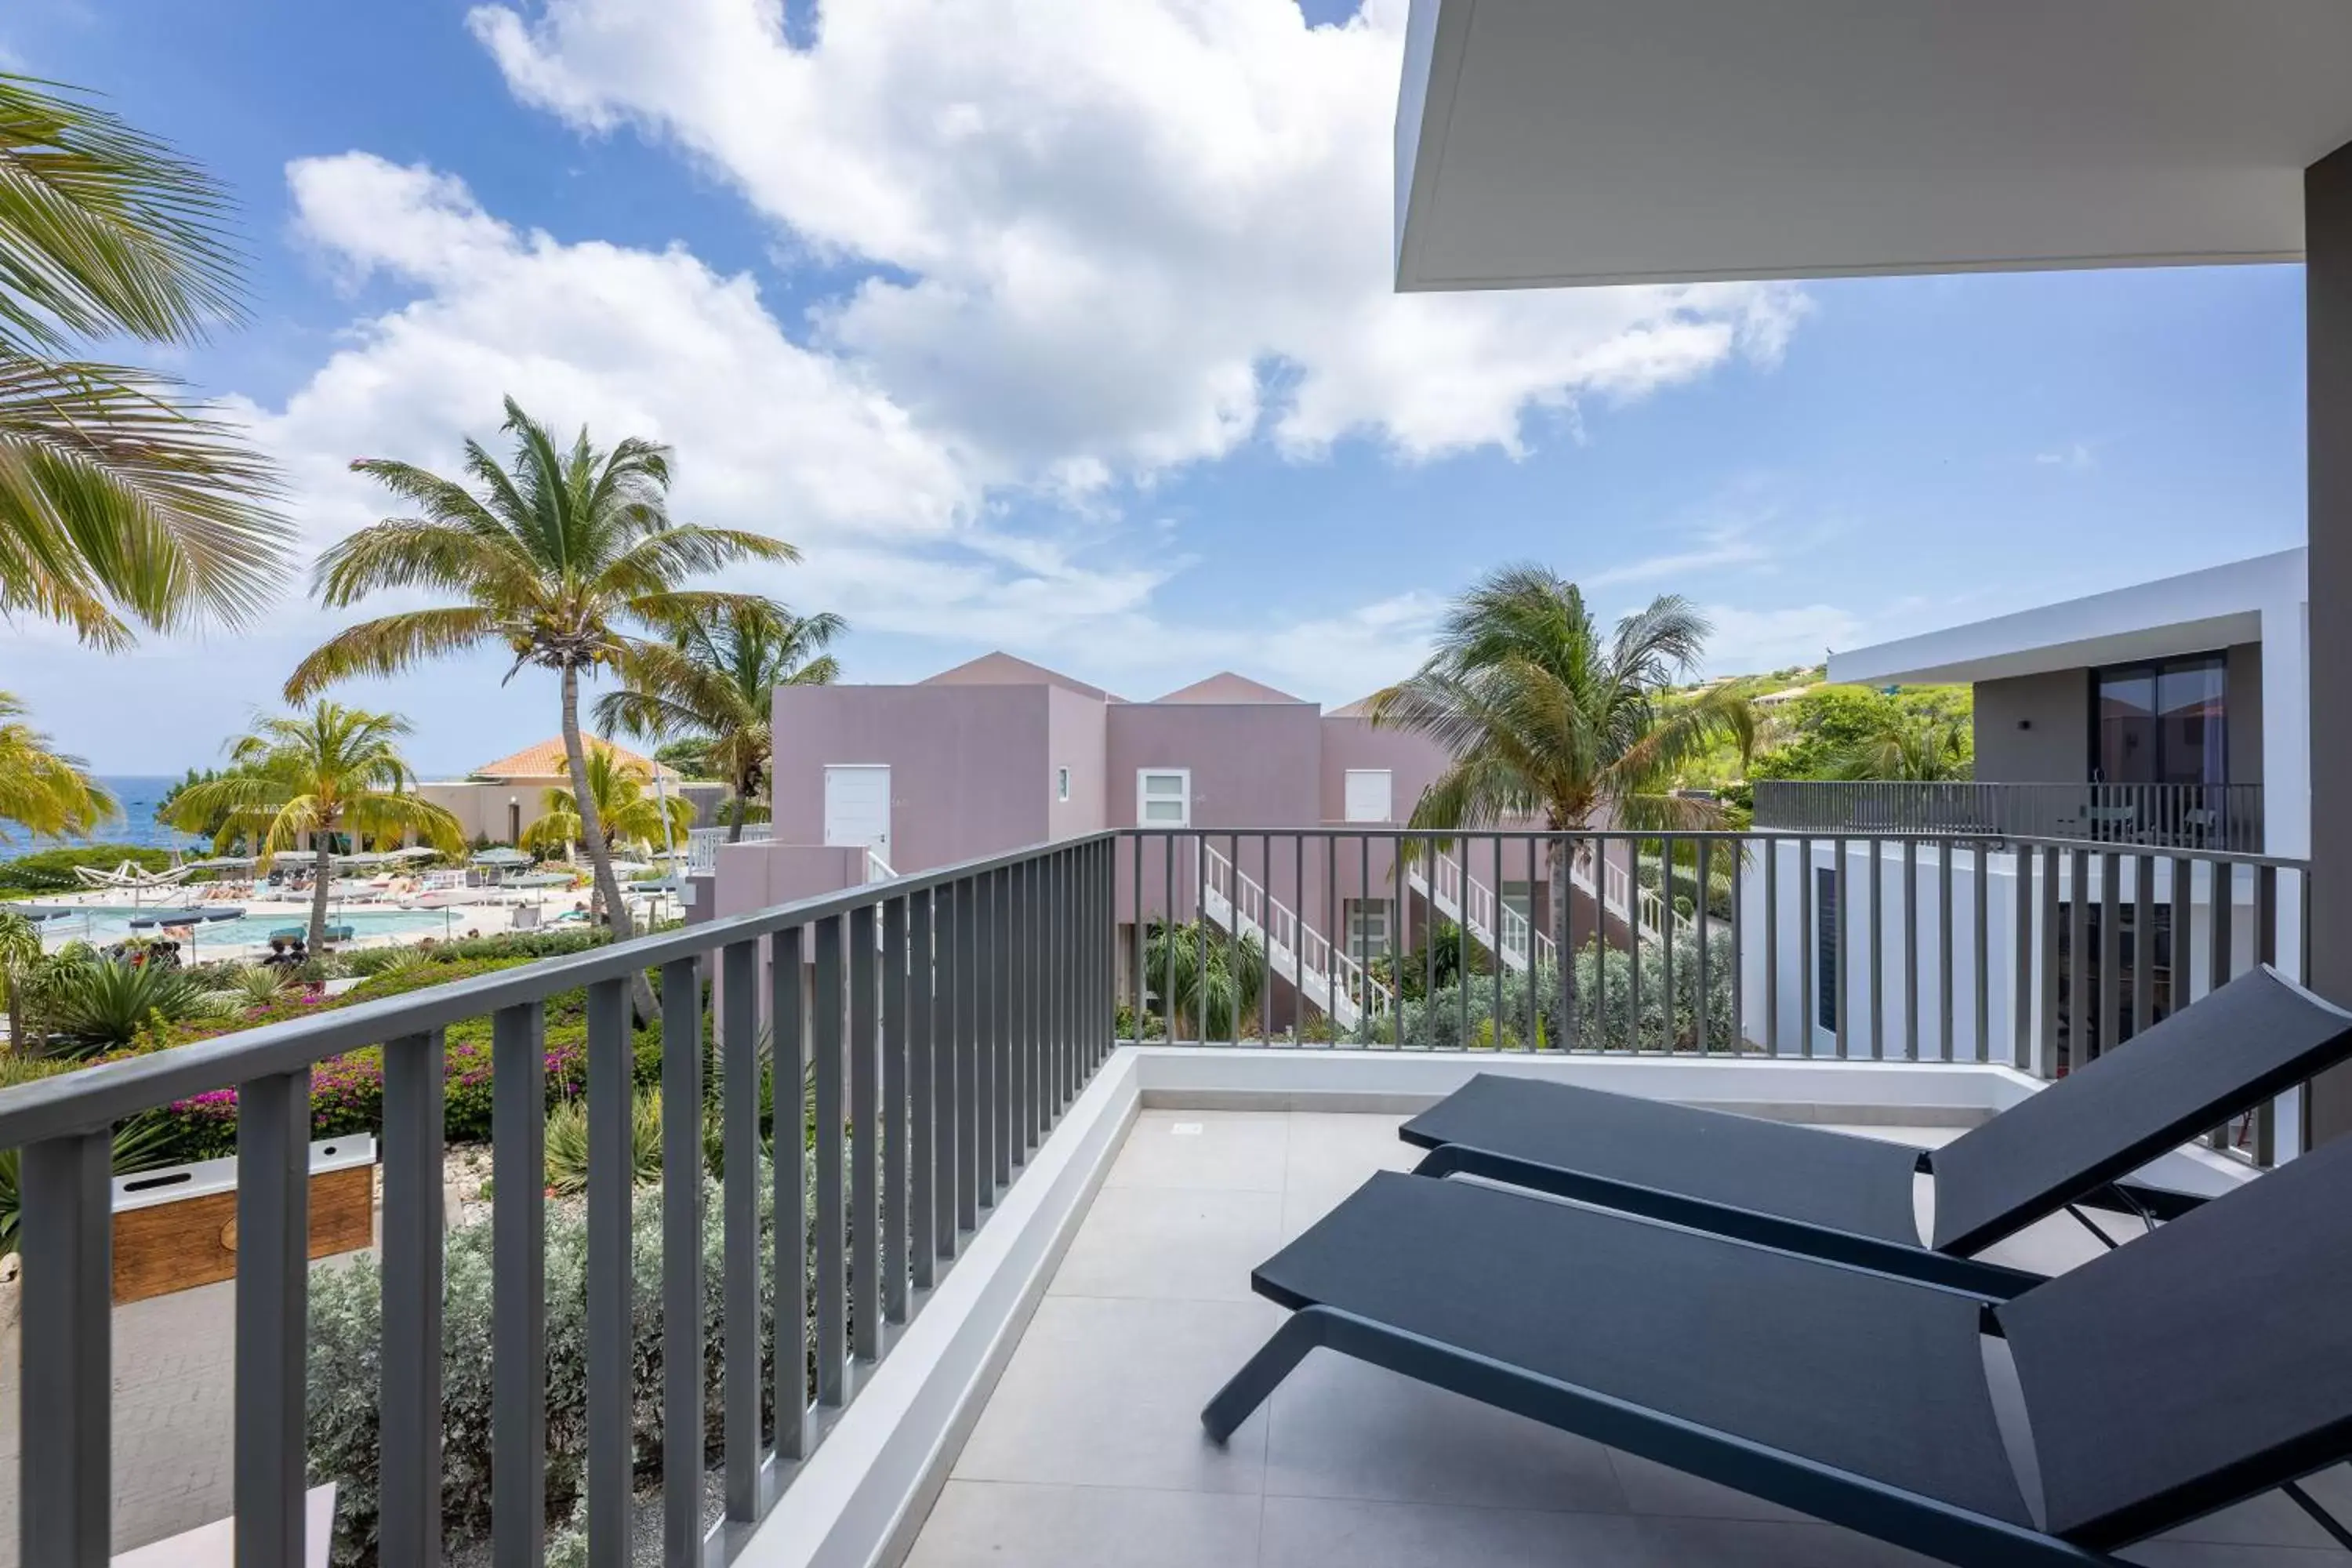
x=2188, y=816
x=941, y=1025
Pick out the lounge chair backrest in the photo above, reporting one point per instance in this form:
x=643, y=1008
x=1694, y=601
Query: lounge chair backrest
x=2207, y=1363
x=2257, y=1035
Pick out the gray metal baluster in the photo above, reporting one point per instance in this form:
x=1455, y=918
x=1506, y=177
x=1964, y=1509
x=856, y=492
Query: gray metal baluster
x=2110, y=945
x=1497, y=1018
x=2143, y=943
x=739, y=1074
x=1807, y=975
x=1877, y=952
x=519, y=1293
x=999, y=965
x=1772, y=945
x=1943, y=999
x=1265, y=989
x=898, y=1041
x=2045, y=1045
x=1666, y=948
x=1911, y=1002
x=865, y=1155
x=971, y=1159
x=831, y=1216
x=2222, y=920
x=788, y=1029
x=611, y=1365
x=1738, y=848
x=408, y=1522
x=1844, y=919
x=1980, y=919
x=2020, y=1043
x=273, y=1280
x=64, y=1393
x=2078, y=964
x=927, y=1150
x=1706, y=900
x=2179, y=969
x=681, y=1264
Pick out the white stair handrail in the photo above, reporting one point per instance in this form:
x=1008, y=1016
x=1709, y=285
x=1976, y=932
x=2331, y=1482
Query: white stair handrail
x=1295, y=949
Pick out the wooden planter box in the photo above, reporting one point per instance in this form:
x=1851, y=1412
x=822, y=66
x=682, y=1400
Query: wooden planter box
x=176, y=1228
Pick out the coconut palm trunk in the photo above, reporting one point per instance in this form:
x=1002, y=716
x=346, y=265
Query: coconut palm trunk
x=591, y=835
x=322, y=875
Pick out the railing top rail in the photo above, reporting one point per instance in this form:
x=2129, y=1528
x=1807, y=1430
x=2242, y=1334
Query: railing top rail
x=1925, y=836
x=95, y=1097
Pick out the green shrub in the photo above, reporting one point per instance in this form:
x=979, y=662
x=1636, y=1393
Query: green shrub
x=1606, y=1018
x=346, y=1351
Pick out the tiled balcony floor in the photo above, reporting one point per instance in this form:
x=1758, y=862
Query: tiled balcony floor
x=1090, y=1452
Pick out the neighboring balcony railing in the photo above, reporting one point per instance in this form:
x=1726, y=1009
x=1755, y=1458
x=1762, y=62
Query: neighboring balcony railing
x=2189, y=816
x=939, y=1024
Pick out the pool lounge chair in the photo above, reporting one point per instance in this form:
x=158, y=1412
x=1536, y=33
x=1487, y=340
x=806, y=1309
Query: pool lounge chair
x=2207, y=1363
x=1850, y=1198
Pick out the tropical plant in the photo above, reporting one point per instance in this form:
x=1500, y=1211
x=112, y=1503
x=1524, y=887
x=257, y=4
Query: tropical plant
x=1207, y=981
x=100, y=1005
x=255, y=985
x=715, y=681
x=42, y=790
x=20, y=959
x=1544, y=715
x=1911, y=747
x=314, y=774
x=563, y=559
x=121, y=499
x=567, y=1143
x=627, y=811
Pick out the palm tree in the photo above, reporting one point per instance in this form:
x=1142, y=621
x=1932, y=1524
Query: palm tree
x=716, y=679
x=1209, y=983
x=330, y=769
x=121, y=499
x=1918, y=748
x=626, y=812
x=1546, y=716
x=555, y=559
x=43, y=790
x=20, y=955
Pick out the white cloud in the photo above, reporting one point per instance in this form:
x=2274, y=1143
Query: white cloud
x=2076, y=456
x=1729, y=545
x=1119, y=235
x=1747, y=639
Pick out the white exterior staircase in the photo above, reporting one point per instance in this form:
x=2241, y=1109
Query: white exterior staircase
x=1472, y=904
x=1326, y=977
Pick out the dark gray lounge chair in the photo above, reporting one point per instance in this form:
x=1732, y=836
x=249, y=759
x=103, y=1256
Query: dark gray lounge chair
x=1849, y=1198
x=2206, y=1363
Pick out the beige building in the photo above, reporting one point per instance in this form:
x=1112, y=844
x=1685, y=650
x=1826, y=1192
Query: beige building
x=498, y=799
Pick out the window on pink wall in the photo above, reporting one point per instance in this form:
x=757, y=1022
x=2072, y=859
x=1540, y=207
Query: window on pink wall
x=1061, y=784
x=1163, y=797
x=1370, y=795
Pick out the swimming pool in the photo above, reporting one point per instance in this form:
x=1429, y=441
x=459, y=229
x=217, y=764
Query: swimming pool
x=100, y=925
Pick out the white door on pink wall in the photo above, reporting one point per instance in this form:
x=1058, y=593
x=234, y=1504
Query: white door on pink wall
x=857, y=807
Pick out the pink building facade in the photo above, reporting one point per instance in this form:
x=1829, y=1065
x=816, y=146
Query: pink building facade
x=998, y=754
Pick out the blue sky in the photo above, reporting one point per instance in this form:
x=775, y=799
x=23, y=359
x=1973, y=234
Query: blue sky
x=1060, y=325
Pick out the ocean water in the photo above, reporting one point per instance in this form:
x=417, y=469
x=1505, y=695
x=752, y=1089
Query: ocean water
x=139, y=795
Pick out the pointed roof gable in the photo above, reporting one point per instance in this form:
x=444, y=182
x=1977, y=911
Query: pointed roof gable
x=1362, y=708
x=1226, y=687
x=546, y=759
x=1001, y=668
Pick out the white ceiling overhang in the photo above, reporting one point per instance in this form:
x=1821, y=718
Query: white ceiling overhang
x=1545, y=142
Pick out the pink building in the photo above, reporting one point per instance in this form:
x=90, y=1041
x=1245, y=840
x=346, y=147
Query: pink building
x=1248, y=788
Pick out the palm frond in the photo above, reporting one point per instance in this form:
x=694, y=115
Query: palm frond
x=104, y=230
x=389, y=645
x=118, y=495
